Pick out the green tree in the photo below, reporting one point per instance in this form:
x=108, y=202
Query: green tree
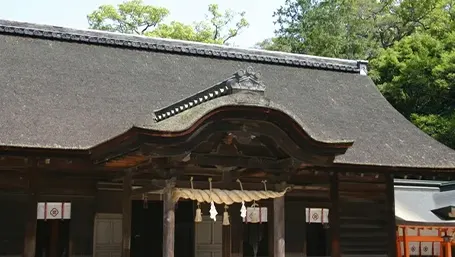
x=135, y=17
x=213, y=30
x=417, y=76
x=333, y=28
x=130, y=17
x=354, y=29
x=410, y=45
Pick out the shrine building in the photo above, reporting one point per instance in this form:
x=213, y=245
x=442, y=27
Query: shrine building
x=116, y=145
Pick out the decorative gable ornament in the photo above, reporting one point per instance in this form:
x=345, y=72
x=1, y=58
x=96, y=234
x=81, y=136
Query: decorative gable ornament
x=247, y=80
x=242, y=81
x=363, y=67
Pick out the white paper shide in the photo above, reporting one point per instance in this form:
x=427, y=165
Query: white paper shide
x=53, y=210
x=256, y=215
x=317, y=215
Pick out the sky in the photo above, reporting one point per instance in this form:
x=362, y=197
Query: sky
x=72, y=13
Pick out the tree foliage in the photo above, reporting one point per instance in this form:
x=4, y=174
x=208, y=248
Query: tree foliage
x=351, y=28
x=410, y=45
x=135, y=17
x=417, y=75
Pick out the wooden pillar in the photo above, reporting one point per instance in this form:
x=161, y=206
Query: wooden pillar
x=270, y=228
x=441, y=248
x=405, y=242
x=398, y=242
x=334, y=214
x=70, y=246
x=236, y=232
x=390, y=220
x=126, y=215
x=278, y=227
x=168, y=219
x=226, y=239
x=31, y=216
x=448, y=248
x=226, y=230
x=304, y=234
x=420, y=243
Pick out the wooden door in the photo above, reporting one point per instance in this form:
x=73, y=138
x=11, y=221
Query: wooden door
x=208, y=241
x=107, y=238
x=52, y=238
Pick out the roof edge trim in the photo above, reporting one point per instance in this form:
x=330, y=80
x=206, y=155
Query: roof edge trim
x=177, y=46
x=421, y=183
x=401, y=222
x=242, y=80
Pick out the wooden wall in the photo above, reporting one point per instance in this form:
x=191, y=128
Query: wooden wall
x=295, y=231
x=12, y=220
x=364, y=209
x=81, y=227
x=365, y=218
x=83, y=209
x=108, y=201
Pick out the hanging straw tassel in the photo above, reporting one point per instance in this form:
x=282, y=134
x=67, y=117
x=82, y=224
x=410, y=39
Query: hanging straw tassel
x=198, y=216
x=226, y=216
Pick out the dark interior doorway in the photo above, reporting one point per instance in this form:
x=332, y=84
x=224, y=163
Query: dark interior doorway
x=147, y=229
x=317, y=236
x=52, y=238
x=255, y=240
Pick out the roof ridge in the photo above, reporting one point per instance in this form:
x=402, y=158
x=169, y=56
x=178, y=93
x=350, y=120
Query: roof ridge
x=178, y=46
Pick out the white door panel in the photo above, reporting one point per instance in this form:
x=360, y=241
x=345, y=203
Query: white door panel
x=107, y=238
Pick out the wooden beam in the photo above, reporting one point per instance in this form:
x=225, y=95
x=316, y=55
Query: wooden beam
x=31, y=216
x=438, y=226
x=390, y=216
x=126, y=215
x=278, y=227
x=168, y=219
x=50, y=185
x=334, y=214
x=321, y=155
x=151, y=185
x=154, y=185
x=136, y=169
x=420, y=239
x=243, y=161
